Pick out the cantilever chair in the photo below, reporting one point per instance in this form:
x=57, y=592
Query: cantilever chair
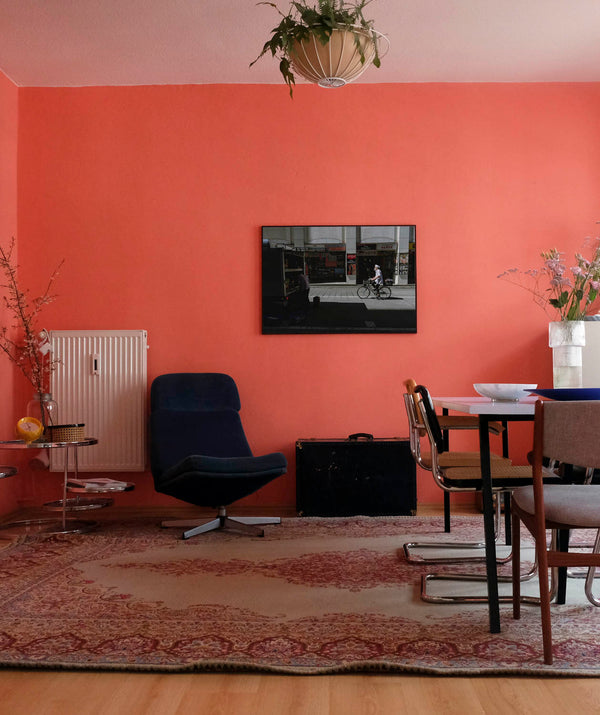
x=462, y=478
x=199, y=452
x=446, y=423
x=566, y=432
x=445, y=459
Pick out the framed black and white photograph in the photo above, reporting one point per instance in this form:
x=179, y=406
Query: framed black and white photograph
x=339, y=279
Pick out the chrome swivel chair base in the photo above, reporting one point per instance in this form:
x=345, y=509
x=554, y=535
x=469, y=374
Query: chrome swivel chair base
x=248, y=525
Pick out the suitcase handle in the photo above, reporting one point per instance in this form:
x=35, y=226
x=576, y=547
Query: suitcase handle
x=360, y=435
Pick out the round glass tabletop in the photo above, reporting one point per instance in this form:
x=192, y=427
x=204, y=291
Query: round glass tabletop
x=42, y=444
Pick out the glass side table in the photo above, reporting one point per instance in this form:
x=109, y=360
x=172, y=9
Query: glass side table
x=7, y=471
x=63, y=525
x=88, y=487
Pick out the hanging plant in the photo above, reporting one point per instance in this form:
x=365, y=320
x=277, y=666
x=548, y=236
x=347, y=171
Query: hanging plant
x=298, y=42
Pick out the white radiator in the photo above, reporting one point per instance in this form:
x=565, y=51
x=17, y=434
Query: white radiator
x=101, y=380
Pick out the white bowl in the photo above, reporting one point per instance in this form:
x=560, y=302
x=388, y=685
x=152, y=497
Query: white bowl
x=503, y=392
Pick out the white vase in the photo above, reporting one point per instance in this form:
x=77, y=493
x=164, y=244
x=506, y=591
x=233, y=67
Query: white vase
x=567, y=338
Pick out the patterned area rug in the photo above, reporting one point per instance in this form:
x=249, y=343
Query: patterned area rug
x=313, y=596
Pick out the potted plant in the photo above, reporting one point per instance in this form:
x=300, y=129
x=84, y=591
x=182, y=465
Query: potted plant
x=571, y=293
x=330, y=42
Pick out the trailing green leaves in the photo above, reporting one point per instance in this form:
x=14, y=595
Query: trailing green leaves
x=316, y=20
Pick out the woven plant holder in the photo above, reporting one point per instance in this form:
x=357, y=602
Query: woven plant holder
x=66, y=433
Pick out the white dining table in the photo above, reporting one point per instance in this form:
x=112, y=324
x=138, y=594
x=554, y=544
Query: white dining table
x=488, y=411
x=483, y=405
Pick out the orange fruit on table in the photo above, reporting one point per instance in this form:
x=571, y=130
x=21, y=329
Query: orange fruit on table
x=29, y=429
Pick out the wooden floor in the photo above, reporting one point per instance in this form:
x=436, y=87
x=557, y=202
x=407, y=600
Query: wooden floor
x=87, y=693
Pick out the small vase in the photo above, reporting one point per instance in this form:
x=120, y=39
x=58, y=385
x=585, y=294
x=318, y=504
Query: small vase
x=44, y=408
x=567, y=338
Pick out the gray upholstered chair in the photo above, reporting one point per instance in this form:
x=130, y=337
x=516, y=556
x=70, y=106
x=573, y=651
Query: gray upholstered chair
x=567, y=432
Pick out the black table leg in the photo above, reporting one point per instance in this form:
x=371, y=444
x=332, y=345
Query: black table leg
x=506, y=495
x=507, y=518
x=446, y=437
x=488, y=520
x=562, y=545
x=505, y=439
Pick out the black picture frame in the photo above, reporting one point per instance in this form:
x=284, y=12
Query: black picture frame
x=317, y=279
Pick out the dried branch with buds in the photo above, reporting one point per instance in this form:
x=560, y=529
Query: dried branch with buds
x=23, y=342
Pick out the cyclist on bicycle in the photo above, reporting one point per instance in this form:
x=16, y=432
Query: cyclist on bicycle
x=377, y=280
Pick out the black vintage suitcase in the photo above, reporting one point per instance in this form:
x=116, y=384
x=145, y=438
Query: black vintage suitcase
x=358, y=475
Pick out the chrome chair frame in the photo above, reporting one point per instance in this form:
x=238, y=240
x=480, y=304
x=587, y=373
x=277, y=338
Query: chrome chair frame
x=452, y=423
x=416, y=429
x=439, y=477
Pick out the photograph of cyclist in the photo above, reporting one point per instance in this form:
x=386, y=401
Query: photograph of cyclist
x=377, y=279
x=338, y=279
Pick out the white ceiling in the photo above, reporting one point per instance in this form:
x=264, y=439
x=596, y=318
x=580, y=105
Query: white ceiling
x=135, y=42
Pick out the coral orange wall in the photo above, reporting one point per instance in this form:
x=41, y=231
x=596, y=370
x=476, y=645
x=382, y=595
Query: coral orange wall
x=9, y=105
x=155, y=196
